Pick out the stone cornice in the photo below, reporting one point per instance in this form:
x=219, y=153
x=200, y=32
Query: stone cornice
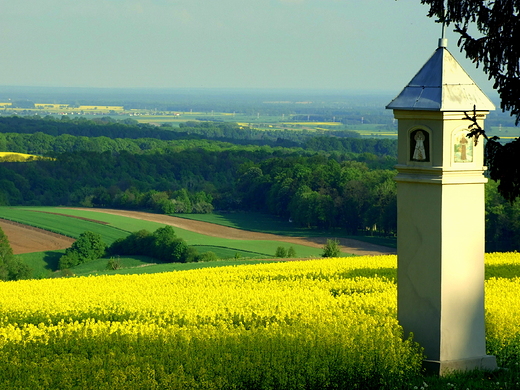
x=439, y=175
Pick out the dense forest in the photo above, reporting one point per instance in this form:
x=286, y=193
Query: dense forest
x=320, y=182
x=48, y=134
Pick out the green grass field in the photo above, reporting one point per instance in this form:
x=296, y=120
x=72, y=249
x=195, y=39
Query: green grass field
x=227, y=253
x=71, y=227
x=247, y=221
x=127, y=225
x=251, y=221
x=255, y=222
x=119, y=226
x=142, y=265
x=263, y=223
x=45, y=264
x=255, y=120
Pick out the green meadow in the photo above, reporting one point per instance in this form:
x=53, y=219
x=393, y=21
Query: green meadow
x=263, y=223
x=111, y=227
x=146, y=265
x=73, y=227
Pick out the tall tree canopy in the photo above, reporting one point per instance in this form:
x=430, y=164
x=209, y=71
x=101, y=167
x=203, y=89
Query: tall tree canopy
x=494, y=40
x=489, y=33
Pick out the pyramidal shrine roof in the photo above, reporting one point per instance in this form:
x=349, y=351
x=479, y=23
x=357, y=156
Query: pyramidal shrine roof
x=441, y=85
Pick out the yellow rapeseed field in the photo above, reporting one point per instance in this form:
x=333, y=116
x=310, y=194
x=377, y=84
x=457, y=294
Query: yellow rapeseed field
x=51, y=106
x=307, y=324
x=12, y=156
x=89, y=108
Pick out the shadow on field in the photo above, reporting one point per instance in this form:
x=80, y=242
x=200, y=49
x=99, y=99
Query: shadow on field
x=51, y=258
x=388, y=273
x=262, y=223
x=508, y=271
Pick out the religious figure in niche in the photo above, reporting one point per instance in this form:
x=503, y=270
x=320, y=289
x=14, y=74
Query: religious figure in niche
x=462, y=147
x=419, y=153
x=463, y=143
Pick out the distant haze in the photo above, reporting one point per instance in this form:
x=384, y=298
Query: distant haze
x=368, y=45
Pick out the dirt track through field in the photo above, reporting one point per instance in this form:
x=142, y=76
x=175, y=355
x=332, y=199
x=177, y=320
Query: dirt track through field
x=209, y=229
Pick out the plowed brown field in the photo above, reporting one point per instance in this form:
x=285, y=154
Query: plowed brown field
x=27, y=239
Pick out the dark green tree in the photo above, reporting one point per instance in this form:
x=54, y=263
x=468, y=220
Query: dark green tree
x=89, y=246
x=281, y=252
x=178, y=252
x=494, y=44
x=137, y=243
x=11, y=268
x=164, y=241
x=161, y=244
x=182, y=202
x=502, y=222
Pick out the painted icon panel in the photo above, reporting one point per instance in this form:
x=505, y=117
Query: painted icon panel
x=462, y=147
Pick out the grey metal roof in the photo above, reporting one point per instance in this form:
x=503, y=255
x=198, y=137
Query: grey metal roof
x=441, y=85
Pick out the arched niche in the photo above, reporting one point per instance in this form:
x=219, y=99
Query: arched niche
x=419, y=145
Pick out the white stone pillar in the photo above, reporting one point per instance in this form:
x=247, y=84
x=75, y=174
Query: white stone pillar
x=440, y=245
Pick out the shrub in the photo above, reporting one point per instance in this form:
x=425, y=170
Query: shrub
x=280, y=252
x=331, y=249
x=114, y=264
x=178, y=251
x=89, y=246
x=191, y=255
x=68, y=260
x=207, y=256
x=202, y=208
x=66, y=273
x=161, y=244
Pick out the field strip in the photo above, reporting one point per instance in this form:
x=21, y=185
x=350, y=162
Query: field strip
x=209, y=229
x=28, y=239
x=71, y=216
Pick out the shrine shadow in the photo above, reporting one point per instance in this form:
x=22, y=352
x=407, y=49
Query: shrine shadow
x=508, y=271
x=387, y=273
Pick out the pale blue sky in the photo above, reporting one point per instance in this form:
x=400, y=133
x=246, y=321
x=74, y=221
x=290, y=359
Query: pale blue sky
x=372, y=45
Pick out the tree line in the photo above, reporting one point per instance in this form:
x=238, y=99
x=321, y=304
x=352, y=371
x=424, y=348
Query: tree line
x=314, y=190
x=50, y=135
x=336, y=183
